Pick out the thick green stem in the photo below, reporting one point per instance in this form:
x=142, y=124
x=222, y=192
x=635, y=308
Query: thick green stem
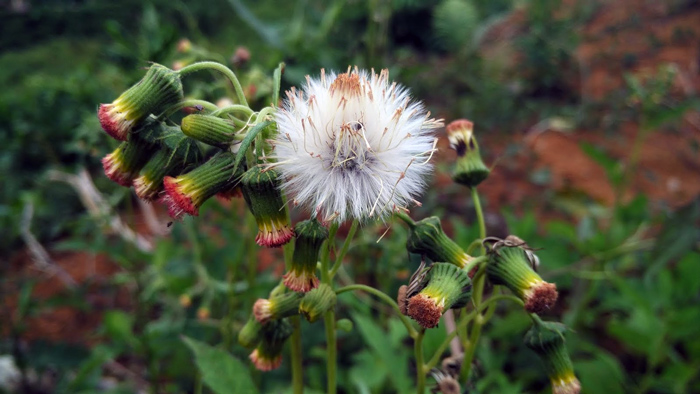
x=233, y=108
x=220, y=68
x=420, y=366
x=388, y=300
x=189, y=103
x=296, y=350
x=479, y=217
x=344, y=249
x=329, y=316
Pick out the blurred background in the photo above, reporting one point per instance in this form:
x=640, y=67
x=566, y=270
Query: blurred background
x=588, y=111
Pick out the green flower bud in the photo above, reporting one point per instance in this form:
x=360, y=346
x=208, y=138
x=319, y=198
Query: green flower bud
x=177, y=154
x=310, y=235
x=261, y=192
x=187, y=192
x=511, y=264
x=251, y=333
x=344, y=325
x=268, y=354
x=159, y=89
x=547, y=340
x=277, y=307
x=426, y=237
x=444, y=286
x=470, y=170
x=317, y=302
x=210, y=129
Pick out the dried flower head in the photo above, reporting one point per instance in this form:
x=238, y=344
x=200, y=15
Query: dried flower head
x=444, y=286
x=353, y=145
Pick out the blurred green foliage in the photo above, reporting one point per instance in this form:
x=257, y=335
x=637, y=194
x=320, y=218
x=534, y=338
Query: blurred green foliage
x=628, y=274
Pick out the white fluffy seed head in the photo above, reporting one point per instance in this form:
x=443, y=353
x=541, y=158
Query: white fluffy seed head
x=353, y=145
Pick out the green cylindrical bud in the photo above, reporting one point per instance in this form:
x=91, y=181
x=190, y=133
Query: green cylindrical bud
x=176, y=155
x=209, y=129
x=187, y=192
x=310, y=235
x=510, y=264
x=277, y=307
x=547, y=340
x=251, y=333
x=446, y=286
x=268, y=354
x=317, y=302
x=159, y=89
x=426, y=237
x=470, y=170
x=264, y=198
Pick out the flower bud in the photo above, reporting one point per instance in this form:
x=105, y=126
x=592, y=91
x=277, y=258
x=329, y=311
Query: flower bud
x=446, y=286
x=277, y=307
x=310, y=235
x=426, y=237
x=184, y=45
x=176, y=154
x=510, y=264
x=187, y=192
x=123, y=165
x=317, y=302
x=261, y=192
x=209, y=129
x=345, y=325
x=470, y=170
x=251, y=333
x=268, y=354
x=547, y=340
x=159, y=89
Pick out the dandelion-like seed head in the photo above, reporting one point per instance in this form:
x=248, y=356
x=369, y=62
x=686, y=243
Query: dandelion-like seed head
x=353, y=145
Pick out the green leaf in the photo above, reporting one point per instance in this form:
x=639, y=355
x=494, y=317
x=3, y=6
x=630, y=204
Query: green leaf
x=221, y=372
x=277, y=79
x=119, y=326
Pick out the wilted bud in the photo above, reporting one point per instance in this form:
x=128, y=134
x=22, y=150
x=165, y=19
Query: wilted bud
x=446, y=383
x=159, y=89
x=123, y=165
x=547, y=340
x=277, y=307
x=268, y=354
x=241, y=56
x=210, y=129
x=401, y=300
x=511, y=264
x=444, y=286
x=262, y=194
x=177, y=154
x=470, y=170
x=187, y=192
x=317, y=302
x=310, y=235
x=250, y=334
x=426, y=237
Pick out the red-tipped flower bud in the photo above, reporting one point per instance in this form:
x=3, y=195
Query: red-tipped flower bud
x=186, y=193
x=310, y=235
x=262, y=194
x=268, y=354
x=277, y=307
x=470, y=170
x=123, y=165
x=547, y=340
x=443, y=286
x=177, y=154
x=511, y=264
x=159, y=89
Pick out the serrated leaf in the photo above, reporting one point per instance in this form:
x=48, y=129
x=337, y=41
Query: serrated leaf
x=221, y=372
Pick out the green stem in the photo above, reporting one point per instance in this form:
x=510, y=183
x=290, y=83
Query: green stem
x=407, y=219
x=220, y=68
x=329, y=316
x=388, y=300
x=420, y=366
x=473, y=263
x=233, y=108
x=463, y=321
x=479, y=217
x=344, y=248
x=296, y=354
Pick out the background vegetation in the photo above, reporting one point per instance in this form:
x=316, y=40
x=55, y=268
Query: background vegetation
x=588, y=111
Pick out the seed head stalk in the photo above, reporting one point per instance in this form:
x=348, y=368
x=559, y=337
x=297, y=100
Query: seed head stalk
x=329, y=316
